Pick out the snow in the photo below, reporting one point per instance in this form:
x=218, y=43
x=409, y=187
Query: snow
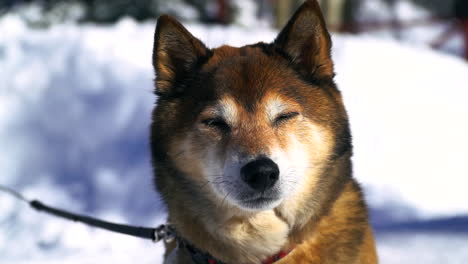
x=419, y=26
x=410, y=109
x=75, y=104
x=423, y=248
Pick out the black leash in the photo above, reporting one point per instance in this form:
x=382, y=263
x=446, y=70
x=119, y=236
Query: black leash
x=162, y=232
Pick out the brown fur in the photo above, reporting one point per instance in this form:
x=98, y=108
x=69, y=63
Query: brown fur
x=325, y=220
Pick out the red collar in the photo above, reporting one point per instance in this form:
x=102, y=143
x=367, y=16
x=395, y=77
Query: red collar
x=269, y=260
x=200, y=257
x=276, y=257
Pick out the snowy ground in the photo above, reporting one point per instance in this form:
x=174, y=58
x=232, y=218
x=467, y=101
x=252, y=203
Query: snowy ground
x=75, y=107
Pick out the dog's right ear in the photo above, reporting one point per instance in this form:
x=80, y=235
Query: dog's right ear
x=175, y=51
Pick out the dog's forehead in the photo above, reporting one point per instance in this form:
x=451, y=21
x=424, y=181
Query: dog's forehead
x=248, y=74
x=226, y=53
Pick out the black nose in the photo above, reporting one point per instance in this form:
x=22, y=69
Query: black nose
x=260, y=174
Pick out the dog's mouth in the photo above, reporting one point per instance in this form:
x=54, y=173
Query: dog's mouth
x=262, y=202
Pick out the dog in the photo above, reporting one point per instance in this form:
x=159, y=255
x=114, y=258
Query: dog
x=251, y=150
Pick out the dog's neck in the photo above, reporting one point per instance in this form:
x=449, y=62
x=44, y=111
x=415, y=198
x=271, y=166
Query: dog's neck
x=235, y=236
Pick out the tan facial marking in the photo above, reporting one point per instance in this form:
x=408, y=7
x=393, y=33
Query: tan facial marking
x=185, y=155
x=274, y=107
x=225, y=109
x=317, y=144
x=228, y=109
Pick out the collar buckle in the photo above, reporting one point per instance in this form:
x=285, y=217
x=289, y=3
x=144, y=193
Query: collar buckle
x=165, y=233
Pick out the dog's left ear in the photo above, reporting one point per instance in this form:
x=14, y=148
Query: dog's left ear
x=175, y=52
x=306, y=40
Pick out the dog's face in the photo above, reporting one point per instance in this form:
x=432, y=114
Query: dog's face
x=251, y=142
x=250, y=126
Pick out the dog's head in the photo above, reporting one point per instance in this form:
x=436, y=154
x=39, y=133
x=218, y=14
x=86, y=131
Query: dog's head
x=251, y=126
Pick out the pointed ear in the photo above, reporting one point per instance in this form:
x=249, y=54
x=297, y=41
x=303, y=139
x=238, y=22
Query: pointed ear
x=175, y=52
x=306, y=40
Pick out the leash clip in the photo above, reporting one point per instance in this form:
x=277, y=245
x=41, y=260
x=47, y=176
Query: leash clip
x=164, y=232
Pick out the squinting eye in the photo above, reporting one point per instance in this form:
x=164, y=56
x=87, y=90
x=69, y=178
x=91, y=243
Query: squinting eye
x=284, y=117
x=217, y=123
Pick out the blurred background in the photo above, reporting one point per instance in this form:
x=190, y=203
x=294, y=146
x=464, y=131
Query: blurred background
x=76, y=86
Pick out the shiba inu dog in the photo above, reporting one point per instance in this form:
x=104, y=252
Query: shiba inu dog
x=251, y=149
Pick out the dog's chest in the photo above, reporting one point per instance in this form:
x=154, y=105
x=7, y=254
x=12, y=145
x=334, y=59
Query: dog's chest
x=262, y=235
